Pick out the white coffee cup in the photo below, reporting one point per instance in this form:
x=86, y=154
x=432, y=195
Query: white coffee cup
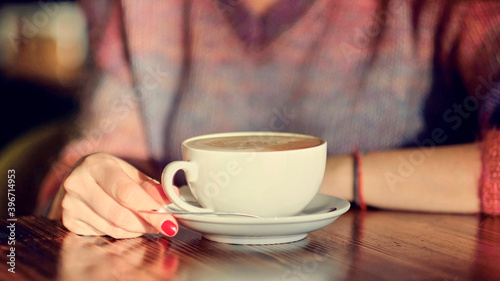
x=249, y=176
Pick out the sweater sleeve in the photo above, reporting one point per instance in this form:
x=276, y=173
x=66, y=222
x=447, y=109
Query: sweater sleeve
x=110, y=119
x=478, y=60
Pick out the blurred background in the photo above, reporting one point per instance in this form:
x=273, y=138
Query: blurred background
x=43, y=57
x=43, y=66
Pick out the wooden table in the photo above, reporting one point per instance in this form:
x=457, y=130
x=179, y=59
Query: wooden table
x=371, y=245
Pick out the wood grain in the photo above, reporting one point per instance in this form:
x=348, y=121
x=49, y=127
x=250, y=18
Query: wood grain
x=372, y=245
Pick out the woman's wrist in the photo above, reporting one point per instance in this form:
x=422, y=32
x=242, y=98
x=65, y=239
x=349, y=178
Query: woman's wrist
x=338, y=179
x=357, y=183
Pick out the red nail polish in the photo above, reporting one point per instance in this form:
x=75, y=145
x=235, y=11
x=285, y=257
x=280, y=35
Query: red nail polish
x=169, y=228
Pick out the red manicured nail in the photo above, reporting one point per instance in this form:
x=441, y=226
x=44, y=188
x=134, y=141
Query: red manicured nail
x=169, y=228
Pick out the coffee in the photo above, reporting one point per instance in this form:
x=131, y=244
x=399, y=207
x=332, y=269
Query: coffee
x=255, y=143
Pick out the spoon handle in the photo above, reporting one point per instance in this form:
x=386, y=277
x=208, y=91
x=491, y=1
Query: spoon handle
x=197, y=213
x=168, y=211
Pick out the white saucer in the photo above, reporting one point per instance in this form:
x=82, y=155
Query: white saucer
x=244, y=230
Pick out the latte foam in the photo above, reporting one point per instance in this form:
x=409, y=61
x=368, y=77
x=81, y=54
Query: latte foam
x=255, y=143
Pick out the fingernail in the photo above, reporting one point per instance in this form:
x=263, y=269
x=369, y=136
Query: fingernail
x=169, y=228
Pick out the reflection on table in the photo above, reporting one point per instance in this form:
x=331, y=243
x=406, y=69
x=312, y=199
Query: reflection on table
x=358, y=246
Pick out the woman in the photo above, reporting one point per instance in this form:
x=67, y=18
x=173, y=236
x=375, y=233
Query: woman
x=410, y=88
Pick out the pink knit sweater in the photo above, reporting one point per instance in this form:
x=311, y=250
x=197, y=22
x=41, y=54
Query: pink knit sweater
x=370, y=74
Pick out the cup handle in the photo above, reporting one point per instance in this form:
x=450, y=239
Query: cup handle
x=191, y=170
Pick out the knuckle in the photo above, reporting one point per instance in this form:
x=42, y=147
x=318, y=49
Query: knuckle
x=98, y=156
x=88, y=160
x=70, y=183
x=66, y=204
x=97, y=160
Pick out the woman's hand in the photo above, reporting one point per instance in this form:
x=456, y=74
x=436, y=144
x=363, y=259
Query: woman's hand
x=103, y=196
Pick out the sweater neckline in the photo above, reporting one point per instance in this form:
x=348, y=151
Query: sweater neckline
x=256, y=31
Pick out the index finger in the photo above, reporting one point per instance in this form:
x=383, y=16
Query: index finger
x=130, y=194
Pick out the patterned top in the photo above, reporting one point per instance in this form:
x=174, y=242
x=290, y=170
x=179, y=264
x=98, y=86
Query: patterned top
x=370, y=74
